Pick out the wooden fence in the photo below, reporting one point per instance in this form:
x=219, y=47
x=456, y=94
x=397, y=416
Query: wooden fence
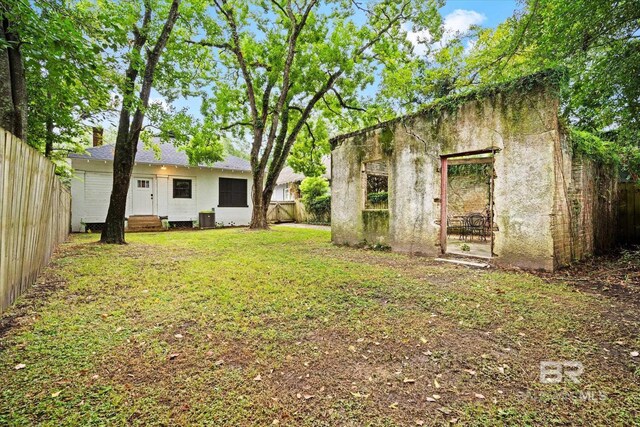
x=35, y=215
x=287, y=211
x=629, y=212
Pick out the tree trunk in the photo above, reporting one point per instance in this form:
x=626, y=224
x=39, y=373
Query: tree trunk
x=260, y=205
x=123, y=159
x=48, y=147
x=13, y=93
x=129, y=127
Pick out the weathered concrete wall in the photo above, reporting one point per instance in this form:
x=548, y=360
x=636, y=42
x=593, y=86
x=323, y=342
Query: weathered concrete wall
x=523, y=130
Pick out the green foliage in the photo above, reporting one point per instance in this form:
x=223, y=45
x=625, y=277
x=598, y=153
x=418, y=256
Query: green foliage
x=379, y=197
x=591, y=146
x=310, y=147
x=320, y=207
x=595, y=41
x=67, y=79
x=480, y=170
x=292, y=72
x=313, y=187
x=315, y=196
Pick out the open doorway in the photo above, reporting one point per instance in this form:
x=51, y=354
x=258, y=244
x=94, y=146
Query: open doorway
x=467, y=204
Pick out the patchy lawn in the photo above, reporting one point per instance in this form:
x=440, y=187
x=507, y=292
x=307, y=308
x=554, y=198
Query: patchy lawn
x=231, y=327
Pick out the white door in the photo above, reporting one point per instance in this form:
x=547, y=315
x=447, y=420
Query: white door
x=142, y=195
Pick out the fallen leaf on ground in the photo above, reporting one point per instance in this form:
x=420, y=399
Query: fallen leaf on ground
x=179, y=336
x=173, y=356
x=444, y=410
x=479, y=396
x=258, y=378
x=56, y=394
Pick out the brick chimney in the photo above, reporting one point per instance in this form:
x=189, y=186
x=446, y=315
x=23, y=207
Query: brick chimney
x=97, y=136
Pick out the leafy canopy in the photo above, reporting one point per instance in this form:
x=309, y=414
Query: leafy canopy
x=297, y=71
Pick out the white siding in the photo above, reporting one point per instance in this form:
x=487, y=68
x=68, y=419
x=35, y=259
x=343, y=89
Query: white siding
x=182, y=209
x=97, y=190
x=91, y=189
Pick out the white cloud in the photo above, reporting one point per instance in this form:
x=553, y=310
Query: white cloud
x=457, y=22
x=461, y=20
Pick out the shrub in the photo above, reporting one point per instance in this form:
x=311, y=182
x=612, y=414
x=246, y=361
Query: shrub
x=379, y=197
x=315, y=197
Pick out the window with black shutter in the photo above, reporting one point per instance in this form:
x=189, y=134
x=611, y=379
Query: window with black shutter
x=181, y=188
x=233, y=193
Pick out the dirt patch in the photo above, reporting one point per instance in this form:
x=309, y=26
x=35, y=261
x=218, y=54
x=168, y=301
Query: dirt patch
x=616, y=275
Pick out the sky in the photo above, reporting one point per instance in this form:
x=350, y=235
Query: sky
x=458, y=16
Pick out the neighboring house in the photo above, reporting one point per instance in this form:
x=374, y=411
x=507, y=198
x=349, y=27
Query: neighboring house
x=537, y=202
x=288, y=184
x=162, y=186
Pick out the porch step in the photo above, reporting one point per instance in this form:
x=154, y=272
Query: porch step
x=144, y=223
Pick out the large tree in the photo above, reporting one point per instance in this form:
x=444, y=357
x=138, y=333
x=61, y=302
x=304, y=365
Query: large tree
x=141, y=64
x=13, y=85
x=596, y=41
x=284, y=64
x=53, y=75
x=151, y=59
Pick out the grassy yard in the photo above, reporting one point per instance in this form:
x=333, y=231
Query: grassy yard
x=234, y=328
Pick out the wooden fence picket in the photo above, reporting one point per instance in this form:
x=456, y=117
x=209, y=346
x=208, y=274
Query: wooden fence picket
x=35, y=215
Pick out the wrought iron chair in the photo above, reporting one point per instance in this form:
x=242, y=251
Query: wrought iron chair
x=476, y=225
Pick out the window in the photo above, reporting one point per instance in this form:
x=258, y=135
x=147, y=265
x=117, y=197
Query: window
x=377, y=185
x=144, y=183
x=181, y=188
x=233, y=193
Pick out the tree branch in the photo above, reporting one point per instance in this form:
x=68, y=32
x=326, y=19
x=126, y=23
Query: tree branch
x=343, y=104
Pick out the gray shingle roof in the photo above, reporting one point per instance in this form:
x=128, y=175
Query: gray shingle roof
x=169, y=155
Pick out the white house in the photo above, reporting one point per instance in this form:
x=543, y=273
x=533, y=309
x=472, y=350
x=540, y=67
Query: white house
x=288, y=183
x=163, y=185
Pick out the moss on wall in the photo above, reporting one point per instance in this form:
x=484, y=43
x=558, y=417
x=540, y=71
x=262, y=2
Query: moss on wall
x=375, y=224
x=386, y=140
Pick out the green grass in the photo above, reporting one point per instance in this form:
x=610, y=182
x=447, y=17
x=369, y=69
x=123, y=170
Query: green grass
x=174, y=329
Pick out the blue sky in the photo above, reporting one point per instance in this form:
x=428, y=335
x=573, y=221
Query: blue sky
x=458, y=15
x=494, y=11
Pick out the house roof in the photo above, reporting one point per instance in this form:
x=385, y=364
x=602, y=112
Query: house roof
x=287, y=174
x=169, y=155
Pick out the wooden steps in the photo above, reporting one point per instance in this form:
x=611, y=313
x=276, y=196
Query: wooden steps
x=144, y=223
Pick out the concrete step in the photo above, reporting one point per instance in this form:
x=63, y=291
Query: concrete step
x=464, y=262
